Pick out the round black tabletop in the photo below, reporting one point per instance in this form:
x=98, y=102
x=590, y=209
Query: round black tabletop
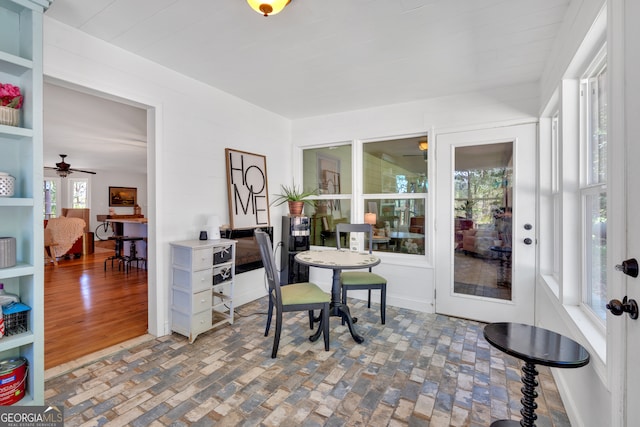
x=536, y=345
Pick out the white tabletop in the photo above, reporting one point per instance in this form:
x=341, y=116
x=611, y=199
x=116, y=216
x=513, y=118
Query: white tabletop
x=338, y=259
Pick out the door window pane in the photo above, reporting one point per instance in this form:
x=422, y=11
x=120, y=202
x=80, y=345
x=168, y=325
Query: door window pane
x=482, y=220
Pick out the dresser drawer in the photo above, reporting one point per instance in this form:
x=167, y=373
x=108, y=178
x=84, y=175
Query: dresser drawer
x=201, y=322
x=202, y=280
x=202, y=301
x=222, y=254
x=202, y=259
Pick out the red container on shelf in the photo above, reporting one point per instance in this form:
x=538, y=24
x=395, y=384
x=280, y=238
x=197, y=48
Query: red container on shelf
x=13, y=377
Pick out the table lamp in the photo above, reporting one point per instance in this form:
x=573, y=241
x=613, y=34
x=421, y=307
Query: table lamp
x=213, y=227
x=370, y=218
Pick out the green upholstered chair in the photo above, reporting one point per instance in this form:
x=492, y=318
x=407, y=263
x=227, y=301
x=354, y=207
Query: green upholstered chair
x=352, y=280
x=293, y=297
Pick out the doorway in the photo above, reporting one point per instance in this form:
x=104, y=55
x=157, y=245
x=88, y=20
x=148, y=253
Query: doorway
x=108, y=135
x=486, y=199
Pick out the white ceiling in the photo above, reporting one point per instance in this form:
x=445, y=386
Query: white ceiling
x=326, y=56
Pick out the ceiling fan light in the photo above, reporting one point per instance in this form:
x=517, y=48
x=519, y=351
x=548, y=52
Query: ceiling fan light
x=423, y=144
x=268, y=7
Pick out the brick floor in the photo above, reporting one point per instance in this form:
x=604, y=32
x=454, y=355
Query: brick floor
x=417, y=370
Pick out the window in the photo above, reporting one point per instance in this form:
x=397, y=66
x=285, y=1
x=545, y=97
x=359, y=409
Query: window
x=51, y=197
x=327, y=170
x=79, y=192
x=593, y=191
x=393, y=176
x=556, y=195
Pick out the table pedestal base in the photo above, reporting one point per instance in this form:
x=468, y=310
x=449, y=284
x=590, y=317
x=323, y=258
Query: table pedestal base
x=340, y=310
x=528, y=400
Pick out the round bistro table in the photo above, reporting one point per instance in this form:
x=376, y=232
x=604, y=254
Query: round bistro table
x=536, y=346
x=338, y=260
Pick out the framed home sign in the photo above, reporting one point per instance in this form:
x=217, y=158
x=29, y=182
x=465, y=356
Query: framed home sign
x=247, y=189
x=123, y=196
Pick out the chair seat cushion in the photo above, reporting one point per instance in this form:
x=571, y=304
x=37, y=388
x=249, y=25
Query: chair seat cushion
x=303, y=293
x=355, y=278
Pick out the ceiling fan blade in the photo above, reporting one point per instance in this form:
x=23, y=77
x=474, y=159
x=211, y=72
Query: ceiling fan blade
x=50, y=167
x=80, y=170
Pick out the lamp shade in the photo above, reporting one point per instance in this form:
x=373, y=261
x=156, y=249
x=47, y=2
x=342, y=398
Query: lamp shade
x=268, y=7
x=213, y=227
x=370, y=218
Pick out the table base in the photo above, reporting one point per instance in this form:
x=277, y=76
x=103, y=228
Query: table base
x=528, y=400
x=506, y=423
x=342, y=311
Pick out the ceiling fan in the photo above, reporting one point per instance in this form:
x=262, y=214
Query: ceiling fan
x=63, y=168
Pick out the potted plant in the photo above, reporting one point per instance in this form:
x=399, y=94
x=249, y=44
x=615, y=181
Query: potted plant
x=295, y=196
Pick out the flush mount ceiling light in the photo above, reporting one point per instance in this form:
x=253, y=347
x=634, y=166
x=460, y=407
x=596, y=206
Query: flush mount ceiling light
x=268, y=7
x=423, y=144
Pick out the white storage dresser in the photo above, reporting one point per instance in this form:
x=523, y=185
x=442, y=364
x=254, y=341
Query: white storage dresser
x=202, y=274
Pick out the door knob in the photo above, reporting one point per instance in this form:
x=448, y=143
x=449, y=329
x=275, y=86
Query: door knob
x=626, y=306
x=629, y=267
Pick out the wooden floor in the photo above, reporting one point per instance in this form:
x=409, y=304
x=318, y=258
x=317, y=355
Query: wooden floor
x=88, y=309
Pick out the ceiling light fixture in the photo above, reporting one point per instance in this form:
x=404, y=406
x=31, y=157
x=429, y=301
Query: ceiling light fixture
x=423, y=145
x=268, y=7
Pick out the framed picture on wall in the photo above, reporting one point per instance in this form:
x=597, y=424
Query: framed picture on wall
x=247, y=189
x=123, y=196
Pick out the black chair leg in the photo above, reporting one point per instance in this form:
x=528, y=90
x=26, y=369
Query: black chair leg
x=344, y=301
x=269, y=315
x=311, y=319
x=369, y=300
x=325, y=326
x=276, y=338
x=383, y=303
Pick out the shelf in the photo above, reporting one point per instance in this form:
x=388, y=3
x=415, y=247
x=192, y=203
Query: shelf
x=13, y=64
x=15, y=201
x=20, y=269
x=8, y=343
x=16, y=132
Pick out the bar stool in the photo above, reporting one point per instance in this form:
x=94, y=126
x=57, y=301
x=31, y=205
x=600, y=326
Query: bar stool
x=118, y=251
x=133, y=255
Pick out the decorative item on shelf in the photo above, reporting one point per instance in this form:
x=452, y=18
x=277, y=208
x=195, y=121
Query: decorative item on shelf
x=295, y=197
x=15, y=316
x=13, y=379
x=7, y=185
x=10, y=103
x=137, y=210
x=7, y=252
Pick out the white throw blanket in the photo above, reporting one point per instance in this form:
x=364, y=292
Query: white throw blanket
x=64, y=232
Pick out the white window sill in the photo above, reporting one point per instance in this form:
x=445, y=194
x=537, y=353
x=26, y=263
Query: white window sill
x=581, y=326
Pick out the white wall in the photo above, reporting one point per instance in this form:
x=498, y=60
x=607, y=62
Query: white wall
x=190, y=125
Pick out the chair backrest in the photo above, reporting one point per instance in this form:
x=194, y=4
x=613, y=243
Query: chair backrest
x=367, y=229
x=266, y=252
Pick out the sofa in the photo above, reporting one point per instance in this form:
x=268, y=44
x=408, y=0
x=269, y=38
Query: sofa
x=63, y=237
x=478, y=240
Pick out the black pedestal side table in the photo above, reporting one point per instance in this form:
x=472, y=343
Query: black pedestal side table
x=536, y=346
